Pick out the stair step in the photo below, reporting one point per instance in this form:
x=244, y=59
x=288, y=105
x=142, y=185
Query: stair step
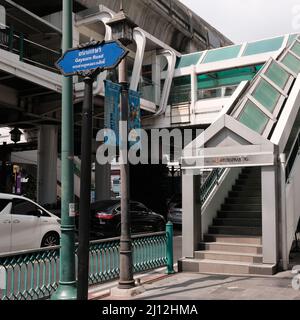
x=242, y=222
x=245, y=200
x=234, y=230
x=232, y=247
x=255, y=177
x=237, y=239
x=242, y=194
x=241, y=206
x=228, y=256
x=225, y=267
x=248, y=182
x=246, y=188
x=239, y=214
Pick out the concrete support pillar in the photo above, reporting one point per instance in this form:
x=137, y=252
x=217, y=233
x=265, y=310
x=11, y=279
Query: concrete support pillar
x=102, y=182
x=47, y=163
x=191, y=214
x=269, y=215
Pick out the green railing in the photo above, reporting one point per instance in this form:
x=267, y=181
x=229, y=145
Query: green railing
x=211, y=181
x=33, y=275
x=28, y=51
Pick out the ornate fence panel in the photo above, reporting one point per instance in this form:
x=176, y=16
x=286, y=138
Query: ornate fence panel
x=33, y=275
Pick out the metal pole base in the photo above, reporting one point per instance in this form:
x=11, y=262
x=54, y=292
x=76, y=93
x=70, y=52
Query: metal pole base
x=65, y=291
x=126, y=284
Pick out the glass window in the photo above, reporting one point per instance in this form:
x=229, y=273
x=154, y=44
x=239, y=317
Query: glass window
x=278, y=75
x=230, y=90
x=263, y=46
x=292, y=37
x=209, y=93
x=292, y=63
x=222, y=54
x=227, y=77
x=253, y=117
x=267, y=95
x=3, y=204
x=25, y=208
x=137, y=207
x=180, y=90
x=296, y=48
x=188, y=60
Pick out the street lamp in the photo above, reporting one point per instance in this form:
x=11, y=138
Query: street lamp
x=15, y=135
x=122, y=30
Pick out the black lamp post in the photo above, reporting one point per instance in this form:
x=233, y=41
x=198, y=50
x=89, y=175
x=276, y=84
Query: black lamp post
x=122, y=30
x=15, y=135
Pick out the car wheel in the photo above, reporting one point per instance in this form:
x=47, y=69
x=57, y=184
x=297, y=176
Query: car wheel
x=50, y=239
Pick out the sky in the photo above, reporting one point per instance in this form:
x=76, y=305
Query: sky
x=246, y=20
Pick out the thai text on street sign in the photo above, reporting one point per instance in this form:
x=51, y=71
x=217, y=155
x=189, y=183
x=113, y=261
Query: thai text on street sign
x=103, y=56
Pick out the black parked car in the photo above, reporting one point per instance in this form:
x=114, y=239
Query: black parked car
x=106, y=219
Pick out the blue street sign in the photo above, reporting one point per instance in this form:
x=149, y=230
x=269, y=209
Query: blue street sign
x=104, y=56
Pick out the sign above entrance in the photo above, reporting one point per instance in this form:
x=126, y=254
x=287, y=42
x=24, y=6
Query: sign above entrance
x=228, y=161
x=97, y=56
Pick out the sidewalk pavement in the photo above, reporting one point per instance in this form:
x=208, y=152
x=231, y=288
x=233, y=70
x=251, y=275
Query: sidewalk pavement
x=192, y=286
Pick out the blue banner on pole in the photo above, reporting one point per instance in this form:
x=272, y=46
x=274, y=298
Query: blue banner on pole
x=112, y=111
x=134, y=121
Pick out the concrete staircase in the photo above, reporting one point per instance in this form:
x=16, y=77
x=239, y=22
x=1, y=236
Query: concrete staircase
x=233, y=244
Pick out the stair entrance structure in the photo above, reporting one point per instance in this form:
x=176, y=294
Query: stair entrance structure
x=245, y=224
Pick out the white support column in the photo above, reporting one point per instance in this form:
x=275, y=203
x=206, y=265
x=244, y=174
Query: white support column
x=47, y=165
x=103, y=182
x=269, y=215
x=140, y=40
x=191, y=214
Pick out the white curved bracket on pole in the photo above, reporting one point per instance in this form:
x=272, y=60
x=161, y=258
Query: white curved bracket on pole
x=140, y=40
x=171, y=58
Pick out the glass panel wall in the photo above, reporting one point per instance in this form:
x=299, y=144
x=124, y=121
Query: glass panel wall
x=180, y=90
x=188, y=60
x=292, y=63
x=223, y=83
x=222, y=54
x=277, y=74
x=253, y=117
x=263, y=46
x=267, y=95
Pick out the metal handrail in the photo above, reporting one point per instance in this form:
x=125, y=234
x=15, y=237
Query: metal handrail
x=211, y=181
x=29, y=51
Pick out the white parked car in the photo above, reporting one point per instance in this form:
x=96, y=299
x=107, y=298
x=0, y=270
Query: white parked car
x=25, y=225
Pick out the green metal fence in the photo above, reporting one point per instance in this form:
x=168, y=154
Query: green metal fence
x=33, y=275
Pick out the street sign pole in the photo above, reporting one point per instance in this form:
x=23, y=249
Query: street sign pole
x=85, y=189
x=67, y=280
x=87, y=61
